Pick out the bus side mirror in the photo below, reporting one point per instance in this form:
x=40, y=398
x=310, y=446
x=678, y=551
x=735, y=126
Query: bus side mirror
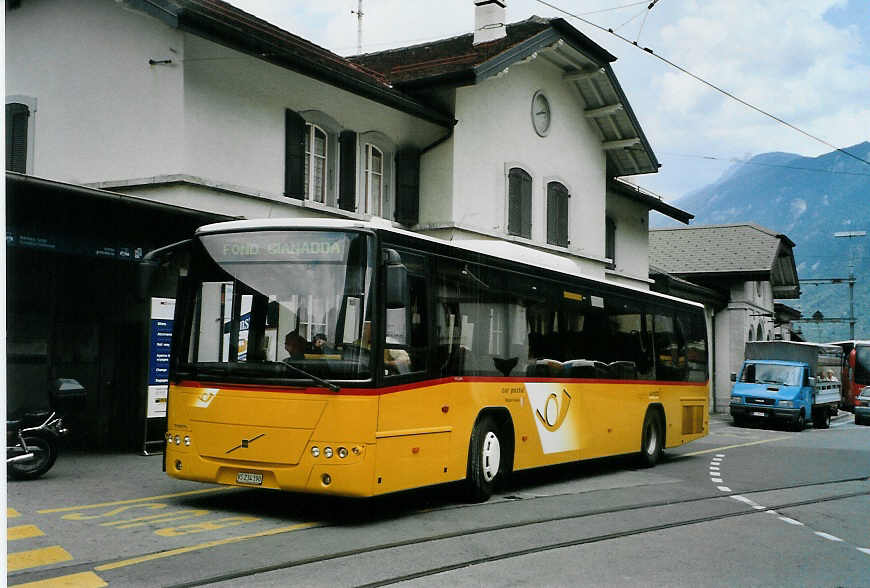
x=145, y=278
x=852, y=358
x=733, y=376
x=397, y=280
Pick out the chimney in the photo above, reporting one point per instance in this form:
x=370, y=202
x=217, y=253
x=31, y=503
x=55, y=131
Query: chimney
x=489, y=17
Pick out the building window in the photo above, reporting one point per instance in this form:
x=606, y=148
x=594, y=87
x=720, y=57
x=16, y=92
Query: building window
x=557, y=214
x=17, y=122
x=315, y=163
x=610, y=242
x=374, y=180
x=519, y=203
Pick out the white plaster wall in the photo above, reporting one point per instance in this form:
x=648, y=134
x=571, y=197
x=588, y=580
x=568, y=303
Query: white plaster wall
x=106, y=115
x=632, y=236
x=494, y=130
x=235, y=106
x=103, y=111
x=436, y=185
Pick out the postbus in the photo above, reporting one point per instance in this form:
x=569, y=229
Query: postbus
x=856, y=371
x=352, y=358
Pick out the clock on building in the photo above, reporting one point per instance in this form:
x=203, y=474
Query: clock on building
x=541, y=114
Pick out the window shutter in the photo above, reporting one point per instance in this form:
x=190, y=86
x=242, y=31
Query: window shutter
x=408, y=186
x=610, y=242
x=347, y=173
x=294, y=153
x=563, y=219
x=519, y=203
x=557, y=214
x=527, y=206
x=17, y=116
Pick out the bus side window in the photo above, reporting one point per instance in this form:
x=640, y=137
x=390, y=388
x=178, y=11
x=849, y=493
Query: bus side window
x=405, y=335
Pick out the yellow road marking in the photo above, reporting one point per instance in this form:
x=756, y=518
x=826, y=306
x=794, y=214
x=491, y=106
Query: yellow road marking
x=132, y=500
x=208, y=544
x=37, y=557
x=23, y=532
x=11, y=513
x=83, y=580
x=723, y=448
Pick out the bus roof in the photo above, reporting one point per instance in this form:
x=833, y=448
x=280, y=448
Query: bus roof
x=505, y=250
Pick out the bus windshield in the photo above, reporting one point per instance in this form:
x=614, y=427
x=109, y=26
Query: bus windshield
x=862, y=365
x=288, y=304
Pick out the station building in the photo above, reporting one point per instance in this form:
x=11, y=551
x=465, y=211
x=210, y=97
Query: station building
x=131, y=122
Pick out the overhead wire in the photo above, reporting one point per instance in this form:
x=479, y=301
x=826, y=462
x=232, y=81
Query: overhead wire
x=702, y=80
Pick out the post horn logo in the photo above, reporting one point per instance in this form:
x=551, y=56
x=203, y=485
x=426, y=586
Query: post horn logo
x=555, y=412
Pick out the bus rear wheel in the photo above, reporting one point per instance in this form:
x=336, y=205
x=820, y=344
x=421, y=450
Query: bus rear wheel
x=652, y=440
x=486, y=460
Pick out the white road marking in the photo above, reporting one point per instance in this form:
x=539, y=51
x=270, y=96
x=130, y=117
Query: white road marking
x=791, y=521
x=827, y=536
x=863, y=550
x=720, y=455
x=773, y=512
x=743, y=499
x=716, y=480
x=714, y=467
x=723, y=488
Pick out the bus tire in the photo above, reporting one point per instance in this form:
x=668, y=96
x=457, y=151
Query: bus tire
x=651, y=440
x=486, y=460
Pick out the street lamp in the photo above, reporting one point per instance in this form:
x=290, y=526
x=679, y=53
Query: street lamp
x=851, y=235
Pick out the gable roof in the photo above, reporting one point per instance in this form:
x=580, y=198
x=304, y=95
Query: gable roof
x=585, y=65
x=742, y=251
x=227, y=25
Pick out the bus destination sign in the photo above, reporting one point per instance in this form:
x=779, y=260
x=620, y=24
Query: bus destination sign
x=277, y=246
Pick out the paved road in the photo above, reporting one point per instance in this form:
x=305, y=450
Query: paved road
x=747, y=506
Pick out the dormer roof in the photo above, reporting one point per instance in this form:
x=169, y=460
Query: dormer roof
x=585, y=66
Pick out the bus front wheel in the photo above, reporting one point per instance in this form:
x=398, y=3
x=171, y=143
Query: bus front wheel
x=486, y=460
x=652, y=440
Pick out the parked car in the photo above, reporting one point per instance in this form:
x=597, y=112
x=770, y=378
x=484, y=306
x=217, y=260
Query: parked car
x=862, y=407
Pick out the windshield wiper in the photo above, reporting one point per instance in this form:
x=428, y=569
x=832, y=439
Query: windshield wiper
x=312, y=377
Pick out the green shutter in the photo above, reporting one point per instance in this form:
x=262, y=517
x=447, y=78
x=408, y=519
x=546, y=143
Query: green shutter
x=294, y=153
x=17, y=116
x=408, y=186
x=519, y=203
x=347, y=173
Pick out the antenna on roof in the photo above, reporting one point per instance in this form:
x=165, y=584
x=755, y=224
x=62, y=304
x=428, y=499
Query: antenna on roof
x=359, y=15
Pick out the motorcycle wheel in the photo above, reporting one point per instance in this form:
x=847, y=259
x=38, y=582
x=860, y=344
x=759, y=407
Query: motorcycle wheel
x=44, y=453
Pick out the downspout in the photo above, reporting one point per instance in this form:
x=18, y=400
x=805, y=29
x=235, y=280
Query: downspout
x=713, y=356
x=440, y=140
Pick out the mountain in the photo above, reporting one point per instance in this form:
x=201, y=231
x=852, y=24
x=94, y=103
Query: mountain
x=808, y=199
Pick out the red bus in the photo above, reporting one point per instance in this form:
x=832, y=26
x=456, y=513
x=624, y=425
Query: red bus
x=856, y=371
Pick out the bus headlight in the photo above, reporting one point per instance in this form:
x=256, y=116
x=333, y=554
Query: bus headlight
x=342, y=452
x=177, y=440
x=315, y=451
x=187, y=440
x=327, y=452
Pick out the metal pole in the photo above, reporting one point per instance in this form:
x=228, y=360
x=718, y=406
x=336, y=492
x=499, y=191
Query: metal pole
x=851, y=304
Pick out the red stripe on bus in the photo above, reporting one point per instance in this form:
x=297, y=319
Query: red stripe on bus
x=347, y=391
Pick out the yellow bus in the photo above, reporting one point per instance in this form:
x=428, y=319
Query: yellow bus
x=351, y=358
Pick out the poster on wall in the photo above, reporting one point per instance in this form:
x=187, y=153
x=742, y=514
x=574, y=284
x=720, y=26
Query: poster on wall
x=159, y=346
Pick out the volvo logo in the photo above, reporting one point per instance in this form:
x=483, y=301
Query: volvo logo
x=245, y=442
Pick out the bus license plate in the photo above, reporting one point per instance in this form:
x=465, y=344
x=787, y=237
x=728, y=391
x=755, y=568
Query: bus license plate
x=756, y=413
x=249, y=478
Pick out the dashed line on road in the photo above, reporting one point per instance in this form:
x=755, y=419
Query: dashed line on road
x=82, y=580
x=23, y=532
x=716, y=461
x=36, y=557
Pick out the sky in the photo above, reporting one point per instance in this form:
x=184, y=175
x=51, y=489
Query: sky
x=806, y=62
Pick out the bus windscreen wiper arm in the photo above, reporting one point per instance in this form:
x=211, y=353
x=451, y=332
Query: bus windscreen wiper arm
x=321, y=381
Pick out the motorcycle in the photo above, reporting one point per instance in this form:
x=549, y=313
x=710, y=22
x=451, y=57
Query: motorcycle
x=33, y=434
x=32, y=450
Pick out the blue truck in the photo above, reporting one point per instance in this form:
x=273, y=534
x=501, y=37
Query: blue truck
x=787, y=381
